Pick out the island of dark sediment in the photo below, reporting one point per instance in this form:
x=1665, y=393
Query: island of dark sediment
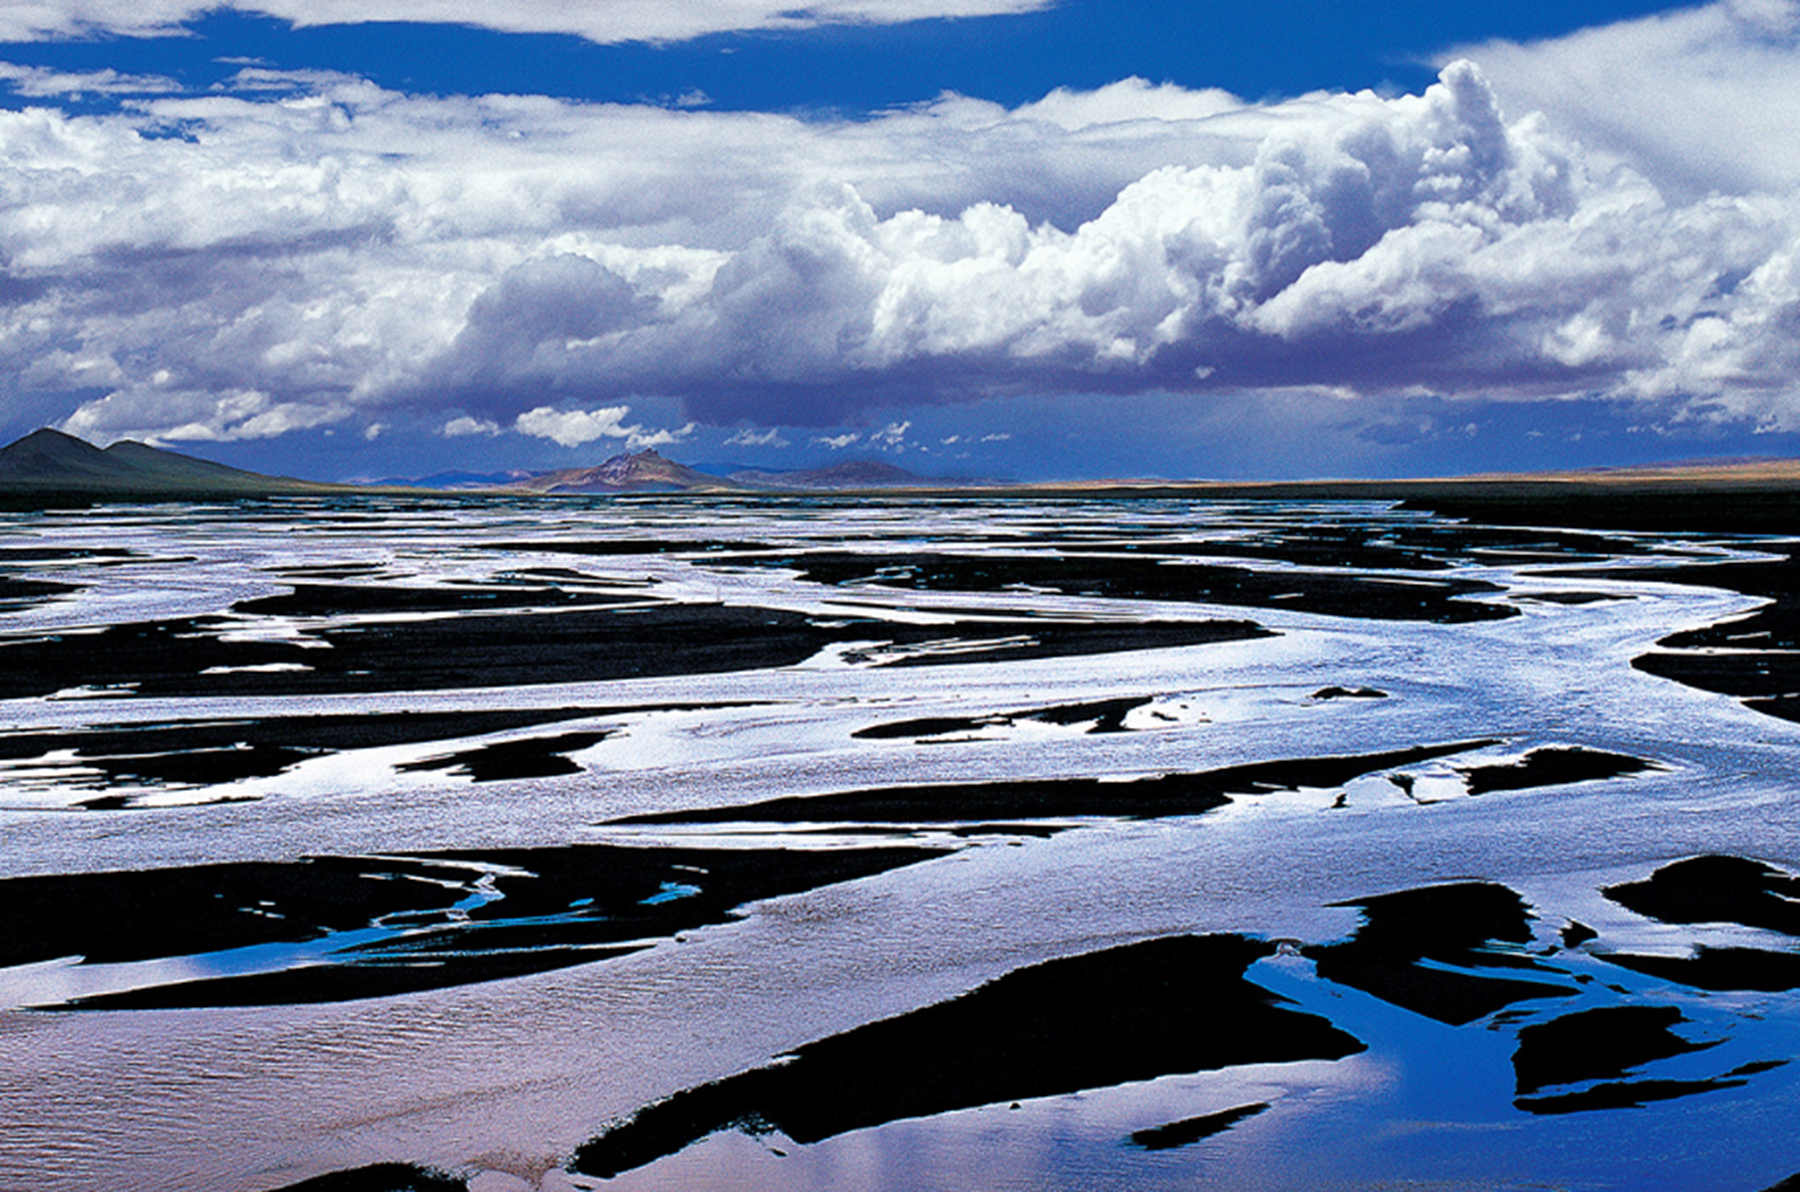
x=1163, y=1006
x=1049, y=798
x=406, y=923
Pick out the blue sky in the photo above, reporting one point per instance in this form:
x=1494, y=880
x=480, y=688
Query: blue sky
x=980, y=237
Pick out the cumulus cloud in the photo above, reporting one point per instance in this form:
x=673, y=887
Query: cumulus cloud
x=1701, y=100
x=311, y=249
x=173, y=416
x=465, y=426
x=573, y=428
x=837, y=442
x=612, y=21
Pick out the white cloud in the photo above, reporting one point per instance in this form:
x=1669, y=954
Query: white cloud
x=891, y=435
x=639, y=438
x=1701, y=100
x=327, y=248
x=185, y=416
x=465, y=426
x=748, y=438
x=838, y=442
x=39, y=82
x=611, y=21
x=572, y=428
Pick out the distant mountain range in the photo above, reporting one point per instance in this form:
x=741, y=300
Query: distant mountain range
x=49, y=466
x=51, y=462
x=647, y=471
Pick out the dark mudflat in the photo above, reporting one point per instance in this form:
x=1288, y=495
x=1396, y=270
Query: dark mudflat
x=1161, y=1007
x=204, y=752
x=1555, y=766
x=1392, y=953
x=1629, y=1094
x=349, y=981
x=382, y=1177
x=1107, y=716
x=533, y=757
x=1598, y=1044
x=506, y=649
x=1716, y=889
x=1762, y=659
x=1059, y=798
x=16, y=594
x=978, y=642
x=547, y=908
x=611, y=547
x=1719, y=969
x=336, y=600
x=1138, y=577
x=1191, y=1130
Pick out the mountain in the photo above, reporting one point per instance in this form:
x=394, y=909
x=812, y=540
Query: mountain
x=852, y=474
x=644, y=472
x=49, y=461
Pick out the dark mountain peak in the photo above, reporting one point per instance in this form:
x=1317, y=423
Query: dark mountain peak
x=640, y=471
x=49, y=460
x=49, y=453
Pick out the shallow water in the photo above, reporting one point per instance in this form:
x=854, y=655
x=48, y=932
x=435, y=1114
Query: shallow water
x=448, y=696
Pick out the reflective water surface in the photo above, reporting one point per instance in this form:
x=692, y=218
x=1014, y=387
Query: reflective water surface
x=825, y=843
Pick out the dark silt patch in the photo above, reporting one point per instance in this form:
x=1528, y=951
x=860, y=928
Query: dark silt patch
x=1718, y=969
x=1162, y=1007
x=1146, y=577
x=1756, y=657
x=1191, y=1130
x=533, y=757
x=337, y=600
x=65, y=554
x=374, y=926
x=1569, y=597
x=1057, y=798
x=16, y=594
x=1106, y=716
x=205, y=752
x=978, y=642
x=502, y=648
x=1716, y=889
x=1627, y=1094
x=1553, y=766
x=1597, y=1044
x=1418, y=949
x=382, y=1177
x=607, y=548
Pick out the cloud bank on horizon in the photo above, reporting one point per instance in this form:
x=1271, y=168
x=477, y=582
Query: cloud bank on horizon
x=1608, y=217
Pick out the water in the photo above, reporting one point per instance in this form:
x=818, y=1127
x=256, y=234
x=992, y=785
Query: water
x=464, y=698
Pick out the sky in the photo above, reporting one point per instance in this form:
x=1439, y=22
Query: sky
x=1013, y=239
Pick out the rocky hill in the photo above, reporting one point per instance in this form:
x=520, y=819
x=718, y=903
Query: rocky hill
x=643, y=472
